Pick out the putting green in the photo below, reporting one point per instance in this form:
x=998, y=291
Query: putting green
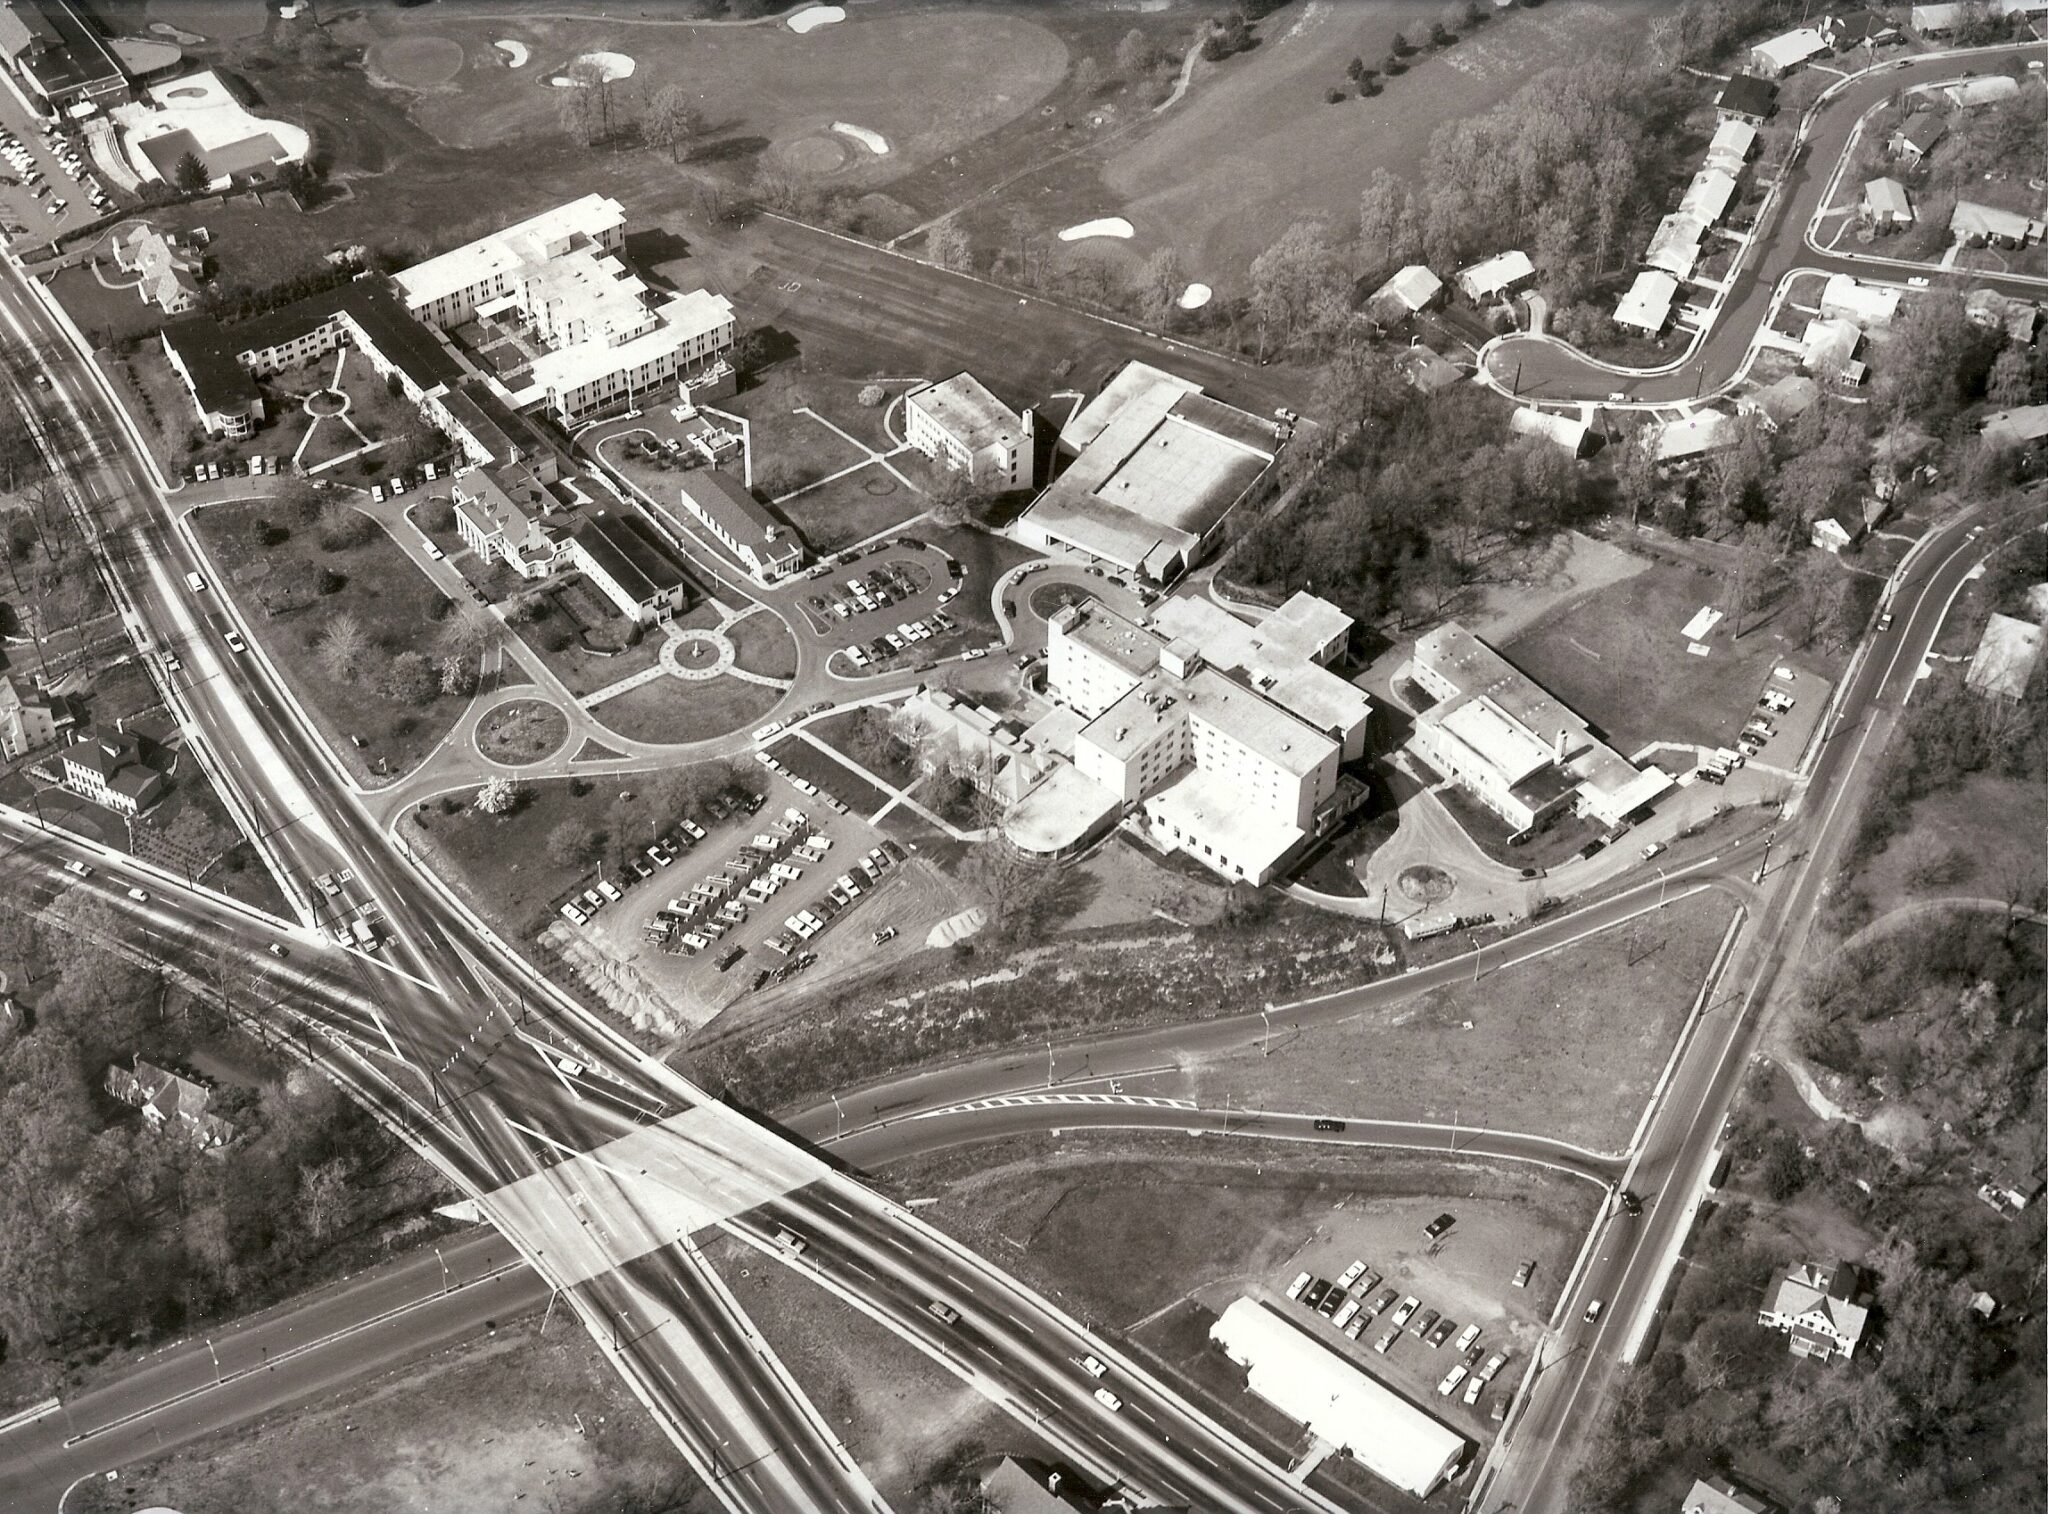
x=417, y=62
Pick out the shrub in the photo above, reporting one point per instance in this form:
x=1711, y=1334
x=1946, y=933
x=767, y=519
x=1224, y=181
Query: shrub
x=873, y=395
x=1333, y=97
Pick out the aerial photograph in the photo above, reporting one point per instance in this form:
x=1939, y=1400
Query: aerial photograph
x=1023, y=757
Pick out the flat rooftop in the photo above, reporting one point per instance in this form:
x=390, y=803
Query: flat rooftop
x=533, y=240
x=965, y=410
x=1502, y=743
x=1210, y=805
x=1107, y=634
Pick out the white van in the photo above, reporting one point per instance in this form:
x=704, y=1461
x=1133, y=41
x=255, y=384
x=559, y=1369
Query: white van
x=195, y=583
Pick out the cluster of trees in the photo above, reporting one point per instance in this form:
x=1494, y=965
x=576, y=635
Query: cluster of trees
x=1410, y=501
x=173, y=1233
x=597, y=109
x=631, y=821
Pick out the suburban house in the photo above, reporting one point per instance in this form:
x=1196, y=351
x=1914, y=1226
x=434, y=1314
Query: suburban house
x=109, y=771
x=1816, y=1306
x=1204, y=734
x=1495, y=276
x=1915, y=137
x=2020, y=319
x=1732, y=143
x=768, y=547
x=170, y=1105
x=25, y=724
x=1977, y=225
x=1157, y=468
x=1885, y=203
x=1944, y=20
x=223, y=394
x=1647, y=305
x=2022, y=426
x=1011, y=1488
x=1685, y=440
x=1860, y=29
x=1828, y=349
x=962, y=426
x=598, y=335
x=620, y=553
x=166, y=269
x=1866, y=304
x=1830, y=535
x=1990, y=90
x=1748, y=97
x=1411, y=291
x=1717, y=1495
x=501, y=515
x=1426, y=368
x=1503, y=739
x=2006, y=659
x=1574, y=433
x=1784, y=400
x=1781, y=54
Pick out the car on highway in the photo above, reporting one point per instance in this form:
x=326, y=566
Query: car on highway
x=276, y=949
x=1523, y=1274
x=195, y=583
x=1424, y=1323
x=1436, y=1227
x=139, y=895
x=1654, y=849
x=1108, y=1400
x=1386, y=1340
x=1408, y=1307
x=1884, y=621
x=79, y=869
x=1093, y=1366
x=944, y=1313
x=1593, y=1311
x=1332, y=1126
x=789, y=1240
x=1630, y=1203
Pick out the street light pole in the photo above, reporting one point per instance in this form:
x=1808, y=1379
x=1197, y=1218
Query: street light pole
x=217, y=1377
x=444, y=1268
x=1662, y=881
x=1266, y=1014
x=842, y=1115
x=1048, y=1063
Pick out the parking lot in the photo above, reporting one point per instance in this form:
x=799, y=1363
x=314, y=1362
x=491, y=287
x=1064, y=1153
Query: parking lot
x=887, y=609
x=46, y=183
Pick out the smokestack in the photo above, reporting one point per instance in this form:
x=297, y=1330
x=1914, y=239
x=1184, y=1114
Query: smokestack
x=1559, y=748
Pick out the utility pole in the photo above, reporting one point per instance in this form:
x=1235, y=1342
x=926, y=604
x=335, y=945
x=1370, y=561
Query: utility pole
x=1266, y=1014
x=1048, y=1063
x=842, y=1116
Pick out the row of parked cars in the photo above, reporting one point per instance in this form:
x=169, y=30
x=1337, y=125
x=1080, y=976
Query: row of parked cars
x=902, y=639
x=22, y=160
x=658, y=854
x=256, y=466
x=807, y=924
x=1350, y=1304
x=401, y=481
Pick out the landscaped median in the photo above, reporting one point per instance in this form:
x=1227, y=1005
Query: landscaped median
x=351, y=623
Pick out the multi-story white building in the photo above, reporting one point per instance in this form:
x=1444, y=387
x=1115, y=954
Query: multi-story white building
x=501, y=514
x=960, y=424
x=604, y=335
x=25, y=724
x=1207, y=756
x=109, y=771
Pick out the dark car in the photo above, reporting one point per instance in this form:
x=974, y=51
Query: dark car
x=1329, y=1125
x=1317, y=1290
x=1631, y=1203
x=1439, y=1225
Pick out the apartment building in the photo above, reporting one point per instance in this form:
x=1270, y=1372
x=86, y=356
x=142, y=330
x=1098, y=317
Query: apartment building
x=960, y=425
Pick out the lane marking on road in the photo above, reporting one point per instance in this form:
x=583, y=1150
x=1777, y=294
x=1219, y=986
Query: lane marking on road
x=1022, y=1101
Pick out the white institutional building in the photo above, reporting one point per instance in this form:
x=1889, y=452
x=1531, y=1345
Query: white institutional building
x=1220, y=740
x=596, y=332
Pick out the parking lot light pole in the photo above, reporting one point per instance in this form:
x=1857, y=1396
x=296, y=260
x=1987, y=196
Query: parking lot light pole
x=1048, y=1063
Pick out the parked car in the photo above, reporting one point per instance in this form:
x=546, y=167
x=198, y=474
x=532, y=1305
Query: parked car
x=1450, y=1383
x=1523, y=1273
x=1436, y=1227
x=1382, y=1301
x=1408, y=1307
x=1424, y=1323
x=1436, y=1337
x=1351, y=1274
x=1386, y=1340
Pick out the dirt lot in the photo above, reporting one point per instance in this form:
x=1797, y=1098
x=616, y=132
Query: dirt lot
x=475, y=1431
x=904, y=1417
x=1566, y=1046
x=1616, y=657
x=391, y=599
x=1142, y=1237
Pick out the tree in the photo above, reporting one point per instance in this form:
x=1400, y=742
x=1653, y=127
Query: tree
x=946, y=245
x=1296, y=284
x=1157, y=286
x=1230, y=35
x=189, y=173
x=458, y=676
x=1636, y=482
x=326, y=1197
x=572, y=843
x=1355, y=70
x=1386, y=224
x=576, y=107
x=410, y=680
x=1817, y=589
x=498, y=796
x=671, y=122
x=2012, y=378
x=1087, y=78
x=1135, y=55
x=1934, y=354
x=343, y=645
x=1756, y=571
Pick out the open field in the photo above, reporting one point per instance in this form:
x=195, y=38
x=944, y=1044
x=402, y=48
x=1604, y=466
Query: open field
x=668, y=710
x=1616, y=657
x=1974, y=840
x=762, y=644
x=1565, y=1046
x=852, y=509
x=902, y=1415
x=389, y=597
x=475, y=1430
x=791, y=450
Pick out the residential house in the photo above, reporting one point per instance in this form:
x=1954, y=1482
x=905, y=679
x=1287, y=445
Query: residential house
x=2019, y=319
x=1945, y=20
x=1012, y=1488
x=1717, y=1495
x=1685, y=440
x=109, y=771
x=1426, y=369
x=620, y=553
x=1977, y=225
x=166, y=268
x=1785, y=400
x=1915, y=137
x=1816, y=1306
x=1781, y=54
x=1647, y=305
x=1969, y=94
x=1830, y=535
x=1748, y=98
x=1863, y=28
x=1885, y=204
x=1496, y=276
x=1411, y=291
x=25, y=724
x=1574, y=433
x=1867, y=305
x=2023, y=426
x=2006, y=659
x=1732, y=143
x=768, y=547
x=170, y=1105
x=960, y=424
x=1829, y=349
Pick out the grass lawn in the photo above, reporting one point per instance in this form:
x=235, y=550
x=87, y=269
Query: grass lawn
x=897, y=765
x=1616, y=658
x=1566, y=1046
x=475, y=1430
x=670, y=710
x=906, y=1419
x=386, y=594
x=1973, y=840
x=792, y=450
x=829, y=774
x=584, y=641
x=984, y=558
x=523, y=731
x=762, y=644
x=852, y=509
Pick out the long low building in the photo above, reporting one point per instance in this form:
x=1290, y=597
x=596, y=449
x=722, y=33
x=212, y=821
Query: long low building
x=1307, y=1381
x=1157, y=468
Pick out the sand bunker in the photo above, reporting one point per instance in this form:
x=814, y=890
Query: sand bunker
x=873, y=141
x=176, y=34
x=817, y=15
x=516, y=53
x=1195, y=296
x=610, y=67
x=1107, y=226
